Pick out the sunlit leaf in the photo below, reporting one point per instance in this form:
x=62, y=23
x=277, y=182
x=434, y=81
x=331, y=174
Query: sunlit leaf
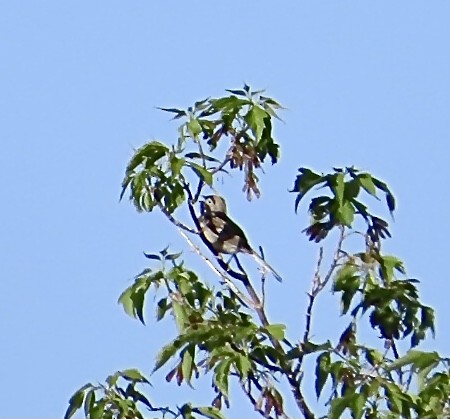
x=255, y=118
x=276, y=330
x=202, y=173
x=210, y=412
x=167, y=352
x=133, y=374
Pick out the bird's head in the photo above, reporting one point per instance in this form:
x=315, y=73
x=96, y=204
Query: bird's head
x=213, y=203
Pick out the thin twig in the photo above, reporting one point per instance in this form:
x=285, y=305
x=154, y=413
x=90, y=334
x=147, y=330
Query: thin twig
x=177, y=223
x=253, y=401
x=224, y=277
x=319, y=284
x=312, y=295
x=221, y=166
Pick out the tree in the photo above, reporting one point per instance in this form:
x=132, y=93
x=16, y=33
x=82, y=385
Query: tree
x=226, y=333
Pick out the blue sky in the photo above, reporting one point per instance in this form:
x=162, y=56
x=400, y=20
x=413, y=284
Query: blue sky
x=365, y=84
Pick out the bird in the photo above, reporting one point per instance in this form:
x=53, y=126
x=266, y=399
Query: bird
x=223, y=234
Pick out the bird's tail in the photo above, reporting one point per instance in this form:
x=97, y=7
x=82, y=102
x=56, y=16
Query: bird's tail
x=266, y=266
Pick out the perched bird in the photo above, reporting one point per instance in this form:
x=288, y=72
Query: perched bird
x=224, y=235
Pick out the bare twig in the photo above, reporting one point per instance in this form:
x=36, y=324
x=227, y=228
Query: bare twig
x=312, y=296
x=177, y=223
x=299, y=398
x=253, y=301
x=224, y=277
x=221, y=165
x=253, y=401
x=319, y=284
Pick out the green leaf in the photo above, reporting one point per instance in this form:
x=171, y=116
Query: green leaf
x=345, y=278
x=417, y=358
x=338, y=405
x=179, y=312
x=357, y=405
x=127, y=302
x=210, y=412
x=427, y=319
x=133, y=374
x=162, y=308
x=138, y=298
x=306, y=180
x=255, y=119
x=147, y=155
x=176, y=164
x=187, y=364
x=322, y=370
x=76, y=401
x=202, y=173
x=366, y=181
x=339, y=188
x=222, y=372
x=345, y=214
x=394, y=396
x=167, y=352
x=390, y=263
x=351, y=189
x=194, y=127
x=229, y=103
x=97, y=411
x=374, y=357
x=276, y=330
x=243, y=365
x=89, y=402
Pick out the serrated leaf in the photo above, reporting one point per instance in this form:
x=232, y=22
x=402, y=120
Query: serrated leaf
x=167, y=352
x=149, y=154
x=255, y=119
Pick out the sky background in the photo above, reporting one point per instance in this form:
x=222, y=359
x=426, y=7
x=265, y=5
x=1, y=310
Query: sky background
x=364, y=83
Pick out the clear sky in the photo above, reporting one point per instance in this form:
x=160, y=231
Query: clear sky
x=365, y=84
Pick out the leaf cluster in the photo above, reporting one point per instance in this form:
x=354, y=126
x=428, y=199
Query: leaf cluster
x=225, y=332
